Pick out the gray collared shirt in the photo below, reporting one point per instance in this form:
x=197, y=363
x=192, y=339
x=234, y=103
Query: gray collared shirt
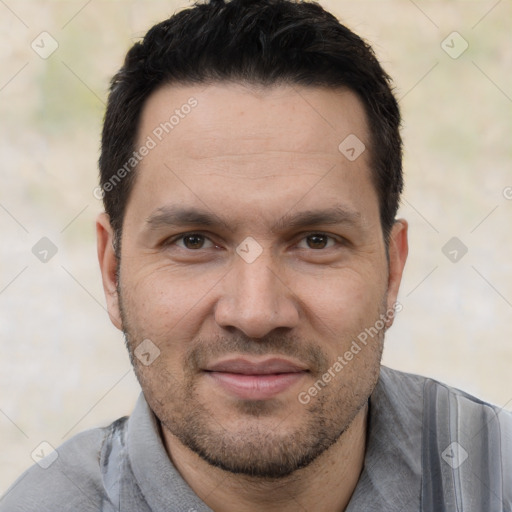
x=430, y=448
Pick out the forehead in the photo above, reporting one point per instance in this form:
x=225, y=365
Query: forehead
x=229, y=119
x=260, y=149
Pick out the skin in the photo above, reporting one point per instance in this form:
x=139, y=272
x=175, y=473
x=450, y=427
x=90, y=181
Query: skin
x=251, y=156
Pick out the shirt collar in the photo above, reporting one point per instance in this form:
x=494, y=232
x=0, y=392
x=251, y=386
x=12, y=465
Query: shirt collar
x=159, y=481
x=391, y=475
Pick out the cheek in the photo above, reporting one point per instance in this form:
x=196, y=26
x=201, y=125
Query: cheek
x=165, y=304
x=343, y=295
x=341, y=308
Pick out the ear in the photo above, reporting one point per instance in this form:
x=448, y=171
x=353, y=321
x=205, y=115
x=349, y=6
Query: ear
x=108, y=265
x=398, y=250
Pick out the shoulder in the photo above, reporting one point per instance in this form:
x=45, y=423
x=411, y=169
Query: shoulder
x=399, y=384
x=466, y=443
x=431, y=397
x=69, y=478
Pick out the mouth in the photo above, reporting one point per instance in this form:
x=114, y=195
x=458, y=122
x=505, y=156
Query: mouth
x=255, y=379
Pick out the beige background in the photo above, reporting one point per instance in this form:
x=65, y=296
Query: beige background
x=63, y=367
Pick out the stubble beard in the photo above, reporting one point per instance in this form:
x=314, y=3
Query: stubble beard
x=255, y=450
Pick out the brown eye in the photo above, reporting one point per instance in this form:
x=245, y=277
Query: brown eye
x=192, y=241
x=317, y=241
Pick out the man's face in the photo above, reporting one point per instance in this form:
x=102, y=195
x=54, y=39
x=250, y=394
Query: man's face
x=252, y=257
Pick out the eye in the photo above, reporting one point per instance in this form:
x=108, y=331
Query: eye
x=317, y=241
x=193, y=241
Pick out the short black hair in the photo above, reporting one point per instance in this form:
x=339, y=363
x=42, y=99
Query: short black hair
x=263, y=42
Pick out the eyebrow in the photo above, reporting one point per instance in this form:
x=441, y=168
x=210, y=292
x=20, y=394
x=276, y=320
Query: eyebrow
x=327, y=216
x=169, y=216
x=180, y=216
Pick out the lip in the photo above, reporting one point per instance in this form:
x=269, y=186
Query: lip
x=255, y=379
x=240, y=365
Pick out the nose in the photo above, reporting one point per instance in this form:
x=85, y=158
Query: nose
x=256, y=300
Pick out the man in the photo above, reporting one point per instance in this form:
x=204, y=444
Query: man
x=251, y=175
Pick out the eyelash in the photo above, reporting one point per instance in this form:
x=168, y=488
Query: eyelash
x=173, y=240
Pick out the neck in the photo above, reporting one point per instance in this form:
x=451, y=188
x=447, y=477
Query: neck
x=326, y=484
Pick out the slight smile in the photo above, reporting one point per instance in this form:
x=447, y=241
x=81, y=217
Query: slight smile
x=256, y=380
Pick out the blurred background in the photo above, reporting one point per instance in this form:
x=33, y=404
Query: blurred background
x=63, y=366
